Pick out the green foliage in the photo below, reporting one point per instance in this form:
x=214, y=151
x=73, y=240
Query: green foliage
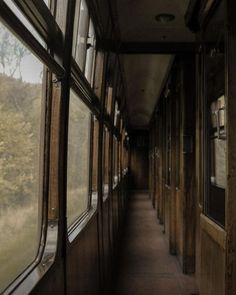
x=19, y=141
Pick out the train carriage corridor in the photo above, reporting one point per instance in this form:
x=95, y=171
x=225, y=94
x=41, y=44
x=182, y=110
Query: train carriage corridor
x=117, y=147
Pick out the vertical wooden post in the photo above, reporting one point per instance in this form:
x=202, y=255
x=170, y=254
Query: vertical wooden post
x=188, y=163
x=172, y=224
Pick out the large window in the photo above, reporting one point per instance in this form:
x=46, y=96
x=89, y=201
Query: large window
x=78, y=159
x=20, y=121
x=215, y=118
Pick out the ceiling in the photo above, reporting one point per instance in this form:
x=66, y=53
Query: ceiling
x=145, y=74
x=137, y=21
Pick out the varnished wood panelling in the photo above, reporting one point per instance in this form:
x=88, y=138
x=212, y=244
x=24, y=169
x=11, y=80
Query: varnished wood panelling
x=212, y=267
x=160, y=169
x=188, y=164
x=217, y=233
x=106, y=241
x=115, y=217
x=167, y=197
x=179, y=227
x=82, y=262
x=52, y=282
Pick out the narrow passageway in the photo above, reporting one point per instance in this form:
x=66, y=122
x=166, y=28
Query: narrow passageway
x=145, y=266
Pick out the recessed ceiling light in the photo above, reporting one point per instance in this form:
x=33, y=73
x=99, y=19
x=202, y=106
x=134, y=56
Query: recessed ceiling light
x=164, y=17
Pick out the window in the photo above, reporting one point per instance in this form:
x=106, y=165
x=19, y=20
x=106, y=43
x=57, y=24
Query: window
x=61, y=8
x=95, y=161
x=215, y=119
x=78, y=159
x=116, y=115
x=24, y=20
x=106, y=143
x=90, y=57
x=47, y=2
x=84, y=41
x=98, y=76
x=20, y=120
x=95, y=154
x=115, y=161
x=217, y=161
x=81, y=35
x=109, y=99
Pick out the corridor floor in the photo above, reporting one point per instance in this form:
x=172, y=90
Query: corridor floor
x=145, y=267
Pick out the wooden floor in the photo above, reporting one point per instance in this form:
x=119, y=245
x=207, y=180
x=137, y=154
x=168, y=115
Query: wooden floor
x=145, y=267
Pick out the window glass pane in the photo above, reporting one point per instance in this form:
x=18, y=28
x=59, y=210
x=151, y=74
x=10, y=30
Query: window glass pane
x=90, y=57
x=24, y=20
x=20, y=116
x=46, y=2
x=81, y=39
x=115, y=161
x=109, y=98
x=76, y=27
x=61, y=8
x=117, y=112
x=98, y=76
x=78, y=158
x=106, y=160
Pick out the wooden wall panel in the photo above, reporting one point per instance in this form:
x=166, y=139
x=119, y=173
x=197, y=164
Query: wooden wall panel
x=52, y=282
x=106, y=241
x=212, y=274
x=82, y=262
x=188, y=163
x=115, y=217
x=167, y=196
x=179, y=227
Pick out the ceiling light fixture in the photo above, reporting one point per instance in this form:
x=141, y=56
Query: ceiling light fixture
x=164, y=18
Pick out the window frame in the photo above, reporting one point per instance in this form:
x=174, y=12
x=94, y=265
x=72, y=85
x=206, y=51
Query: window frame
x=49, y=226
x=206, y=102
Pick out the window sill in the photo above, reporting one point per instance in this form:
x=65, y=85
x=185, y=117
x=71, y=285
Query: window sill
x=216, y=232
x=75, y=230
